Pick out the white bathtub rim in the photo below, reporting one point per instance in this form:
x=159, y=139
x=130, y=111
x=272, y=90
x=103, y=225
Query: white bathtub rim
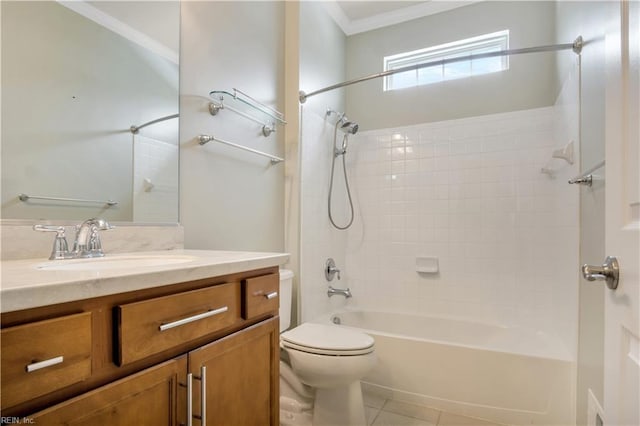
x=559, y=352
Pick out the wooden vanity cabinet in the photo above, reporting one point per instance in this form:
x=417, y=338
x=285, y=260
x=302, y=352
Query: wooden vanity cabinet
x=227, y=360
x=150, y=397
x=240, y=385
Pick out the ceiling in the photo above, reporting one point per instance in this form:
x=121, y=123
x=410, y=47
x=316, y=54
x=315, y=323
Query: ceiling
x=355, y=10
x=358, y=16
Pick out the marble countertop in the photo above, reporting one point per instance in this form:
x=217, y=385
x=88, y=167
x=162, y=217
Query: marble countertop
x=30, y=283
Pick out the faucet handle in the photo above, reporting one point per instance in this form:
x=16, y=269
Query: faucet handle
x=49, y=228
x=330, y=269
x=60, y=248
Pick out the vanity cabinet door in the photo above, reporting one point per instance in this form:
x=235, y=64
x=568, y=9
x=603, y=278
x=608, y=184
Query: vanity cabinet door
x=151, y=397
x=241, y=373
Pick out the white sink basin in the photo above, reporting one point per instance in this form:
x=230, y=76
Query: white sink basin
x=112, y=263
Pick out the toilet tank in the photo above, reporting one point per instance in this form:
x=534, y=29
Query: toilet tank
x=286, y=298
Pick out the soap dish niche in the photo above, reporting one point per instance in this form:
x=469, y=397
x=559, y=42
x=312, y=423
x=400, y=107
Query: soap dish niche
x=427, y=265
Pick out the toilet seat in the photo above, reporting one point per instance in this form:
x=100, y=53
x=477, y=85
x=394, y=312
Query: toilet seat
x=323, y=339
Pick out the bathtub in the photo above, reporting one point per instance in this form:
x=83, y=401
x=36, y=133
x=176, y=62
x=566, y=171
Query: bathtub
x=501, y=374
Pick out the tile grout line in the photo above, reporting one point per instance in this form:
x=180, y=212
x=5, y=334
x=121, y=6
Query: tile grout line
x=409, y=415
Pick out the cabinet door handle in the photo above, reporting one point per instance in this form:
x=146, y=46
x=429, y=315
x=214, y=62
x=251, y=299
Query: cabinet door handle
x=190, y=399
x=271, y=295
x=167, y=326
x=203, y=394
x=44, y=364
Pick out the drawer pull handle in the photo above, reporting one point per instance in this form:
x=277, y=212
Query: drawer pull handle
x=271, y=295
x=164, y=327
x=44, y=364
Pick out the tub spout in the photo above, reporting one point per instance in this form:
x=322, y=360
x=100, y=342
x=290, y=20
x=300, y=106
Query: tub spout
x=344, y=292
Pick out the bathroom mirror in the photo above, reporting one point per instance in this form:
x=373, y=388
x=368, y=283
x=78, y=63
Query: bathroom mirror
x=75, y=77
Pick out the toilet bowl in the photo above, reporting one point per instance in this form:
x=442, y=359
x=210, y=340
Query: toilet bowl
x=330, y=360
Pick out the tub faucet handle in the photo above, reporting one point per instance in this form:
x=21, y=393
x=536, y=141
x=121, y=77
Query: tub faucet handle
x=330, y=269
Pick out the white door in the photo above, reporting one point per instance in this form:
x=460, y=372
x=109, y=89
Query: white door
x=622, y=306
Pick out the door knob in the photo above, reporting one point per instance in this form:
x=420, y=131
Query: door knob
x=609, y=272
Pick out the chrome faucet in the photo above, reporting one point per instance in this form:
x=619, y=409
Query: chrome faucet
x=87, y=243
x=343, y=292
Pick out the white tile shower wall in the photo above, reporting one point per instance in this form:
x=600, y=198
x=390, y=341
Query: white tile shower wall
x=319, y=240
x=567, y=212
x=155, y=162
x=469, y=192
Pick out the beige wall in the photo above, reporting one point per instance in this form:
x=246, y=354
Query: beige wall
x=230, y=199
x=529, y=82
x=322, y=57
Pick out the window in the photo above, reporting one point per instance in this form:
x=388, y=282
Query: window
x=472, y=46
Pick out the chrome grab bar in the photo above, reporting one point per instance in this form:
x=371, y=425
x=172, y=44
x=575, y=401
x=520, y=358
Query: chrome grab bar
x=164, y=327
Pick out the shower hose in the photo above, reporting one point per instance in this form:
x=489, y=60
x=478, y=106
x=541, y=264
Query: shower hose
x=342, y=153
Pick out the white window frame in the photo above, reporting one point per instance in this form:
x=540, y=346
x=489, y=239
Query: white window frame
x=496, y=41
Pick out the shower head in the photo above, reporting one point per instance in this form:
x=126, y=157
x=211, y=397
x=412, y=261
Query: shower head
x=345, y=124
x=349, y=127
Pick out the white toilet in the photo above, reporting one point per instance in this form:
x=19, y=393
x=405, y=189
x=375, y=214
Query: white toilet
x=329, y=359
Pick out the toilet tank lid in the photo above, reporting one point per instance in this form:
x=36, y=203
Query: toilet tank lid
x=286, y=274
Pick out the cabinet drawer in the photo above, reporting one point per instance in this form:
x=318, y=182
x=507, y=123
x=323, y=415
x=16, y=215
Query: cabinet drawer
x=152, y=326
x=44, y=356
x=260, y=295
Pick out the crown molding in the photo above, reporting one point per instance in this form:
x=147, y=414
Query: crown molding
x=351, y=27
x=119, y=27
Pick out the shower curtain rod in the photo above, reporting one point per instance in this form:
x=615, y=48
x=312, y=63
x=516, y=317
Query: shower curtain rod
x=576, y=46
x=134, y=129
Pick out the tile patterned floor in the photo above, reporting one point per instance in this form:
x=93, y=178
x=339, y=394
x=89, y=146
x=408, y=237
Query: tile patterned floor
x=385, y=412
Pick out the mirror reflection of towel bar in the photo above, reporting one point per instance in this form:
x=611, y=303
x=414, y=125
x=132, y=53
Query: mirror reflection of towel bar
x=135, y=129
x=25, y=197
